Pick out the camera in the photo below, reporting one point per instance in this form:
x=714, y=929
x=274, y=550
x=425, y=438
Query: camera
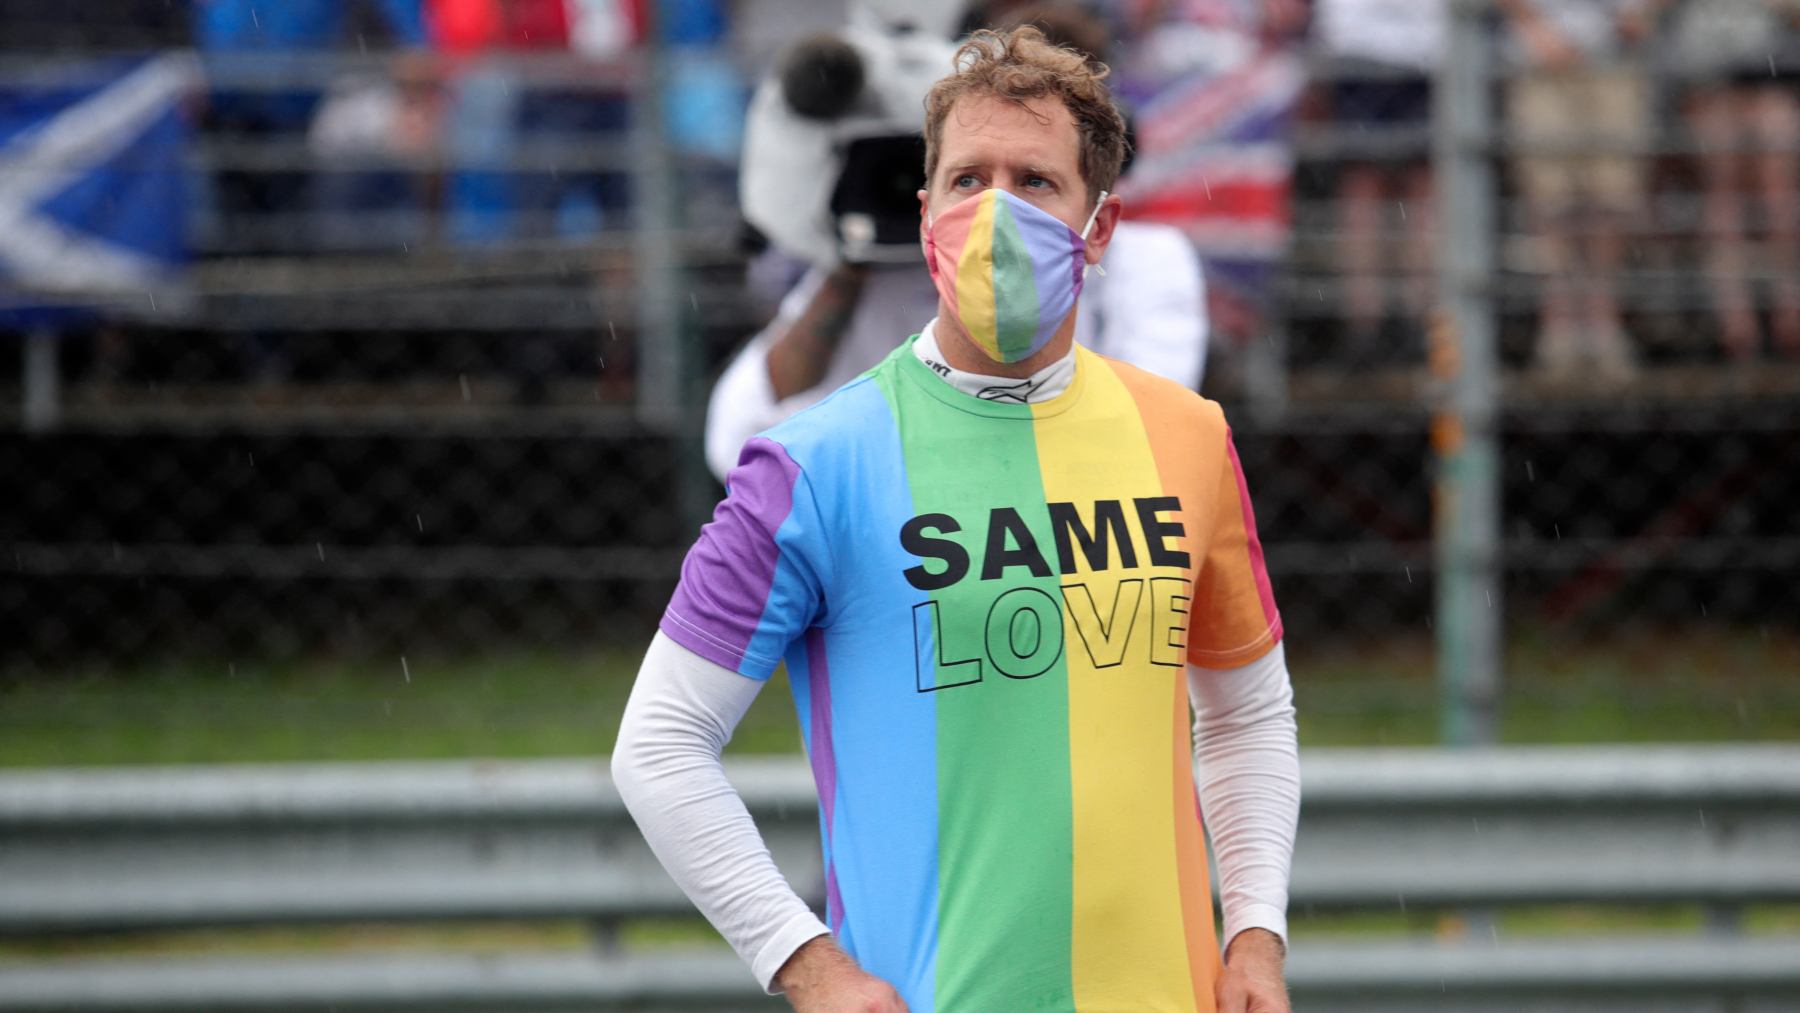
x=833, y=154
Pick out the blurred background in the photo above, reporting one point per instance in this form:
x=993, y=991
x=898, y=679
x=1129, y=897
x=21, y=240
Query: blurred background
x=355, y=355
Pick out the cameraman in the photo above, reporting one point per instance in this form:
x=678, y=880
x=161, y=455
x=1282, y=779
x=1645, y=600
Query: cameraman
x=841, y=318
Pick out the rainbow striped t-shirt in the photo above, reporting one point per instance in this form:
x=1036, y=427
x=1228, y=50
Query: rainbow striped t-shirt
x=986, y=610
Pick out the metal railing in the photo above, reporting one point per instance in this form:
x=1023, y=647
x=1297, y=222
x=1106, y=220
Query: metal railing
x=1396, y=833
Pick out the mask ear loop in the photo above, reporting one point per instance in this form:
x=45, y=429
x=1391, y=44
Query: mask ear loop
x=1084, y=231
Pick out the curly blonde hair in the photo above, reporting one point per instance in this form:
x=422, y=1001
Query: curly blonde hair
x=1020, y=65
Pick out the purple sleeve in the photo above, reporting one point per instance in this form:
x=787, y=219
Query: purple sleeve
x=751, y=583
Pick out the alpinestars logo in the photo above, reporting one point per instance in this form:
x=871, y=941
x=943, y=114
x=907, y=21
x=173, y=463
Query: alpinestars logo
x=1018, y=393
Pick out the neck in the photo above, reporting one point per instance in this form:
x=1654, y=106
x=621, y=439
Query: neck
x=962, y=352
x=1044, y=385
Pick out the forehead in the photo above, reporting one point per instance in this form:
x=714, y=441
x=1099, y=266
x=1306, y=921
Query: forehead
x=982, y=129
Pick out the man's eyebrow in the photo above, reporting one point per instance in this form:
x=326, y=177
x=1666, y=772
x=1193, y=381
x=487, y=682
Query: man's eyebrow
x=1034, y=169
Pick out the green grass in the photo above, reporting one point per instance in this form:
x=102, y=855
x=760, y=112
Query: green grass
x=499, y=705
x=1704, y=684
x=1685, y=686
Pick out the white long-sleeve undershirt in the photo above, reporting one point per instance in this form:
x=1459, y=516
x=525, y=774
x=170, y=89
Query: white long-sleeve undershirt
x=683, y=709
x=667, y=767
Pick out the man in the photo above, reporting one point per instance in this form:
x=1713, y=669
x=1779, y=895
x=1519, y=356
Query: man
x=995, y=611
x=1577, y=81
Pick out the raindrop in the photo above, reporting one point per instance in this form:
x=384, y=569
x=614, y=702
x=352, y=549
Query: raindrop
x=404, y=671
x=116, y=552
x=321, y=547
x=613, y=330
x=694, y=301
x=252, y=460
x=1490, y=598
x=1558, y=529
x=420, y=518
x=254, y=20
x=1772, y=65
x=463, y=378
x=1409, y=574
x=1402, y=205
x=1208, y=185
x=1530, y=473
x=1703, y=609
x=602, y=359
x=152, y=296
x=1702, y=813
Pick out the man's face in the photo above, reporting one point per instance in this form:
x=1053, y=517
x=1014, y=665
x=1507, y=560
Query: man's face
x=1031, y=151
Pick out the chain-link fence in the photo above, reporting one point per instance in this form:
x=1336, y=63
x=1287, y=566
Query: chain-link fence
x=436, y=371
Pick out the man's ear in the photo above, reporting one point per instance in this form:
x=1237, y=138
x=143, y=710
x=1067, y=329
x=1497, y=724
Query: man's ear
x=1107, y=219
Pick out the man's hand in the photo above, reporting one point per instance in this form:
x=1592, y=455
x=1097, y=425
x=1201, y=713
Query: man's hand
x=823, y=978
x=1252, y=980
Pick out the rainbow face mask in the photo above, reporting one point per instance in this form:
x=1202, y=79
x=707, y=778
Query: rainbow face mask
x=1008, y=272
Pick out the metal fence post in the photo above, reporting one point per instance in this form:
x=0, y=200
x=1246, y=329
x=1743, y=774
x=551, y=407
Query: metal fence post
x=1466, y=506
x=655, y=198
x=43, y=381
x=668, y=396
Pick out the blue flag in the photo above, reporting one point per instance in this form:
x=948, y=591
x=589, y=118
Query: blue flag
x=93, y=203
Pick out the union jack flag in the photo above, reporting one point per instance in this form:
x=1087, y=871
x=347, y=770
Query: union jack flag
x=1214, y=100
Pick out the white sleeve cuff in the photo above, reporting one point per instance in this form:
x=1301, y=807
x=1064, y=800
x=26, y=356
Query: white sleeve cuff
x=1255, y=916
x=795, y=933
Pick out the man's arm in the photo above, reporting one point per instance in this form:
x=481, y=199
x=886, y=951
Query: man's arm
x=801, y=354
x=790, y=356
x=1247, y=754
x=667, y=767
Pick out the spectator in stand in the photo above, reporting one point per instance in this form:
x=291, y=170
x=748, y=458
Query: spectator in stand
x=489, y=109
x=1578, y=87
x=1740, y=60
x=263, y=97
x=247, y=41
x=1383, y=54
x=374, y=134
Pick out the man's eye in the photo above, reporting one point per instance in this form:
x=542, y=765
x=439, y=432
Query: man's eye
x=965, y=180
x=1037, y=182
